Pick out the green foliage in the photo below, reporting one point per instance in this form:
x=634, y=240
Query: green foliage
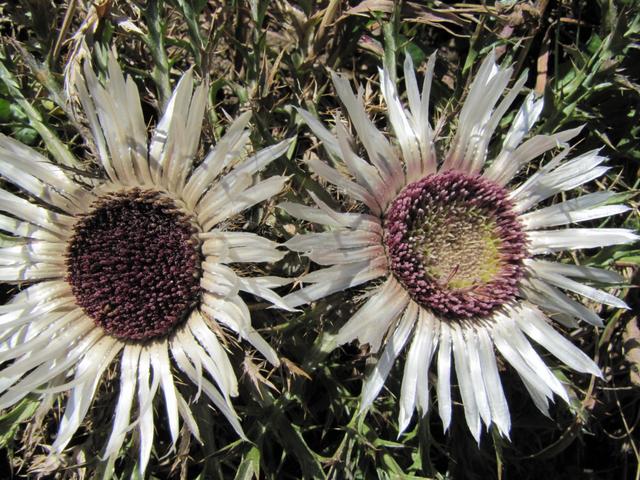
x=10, y=421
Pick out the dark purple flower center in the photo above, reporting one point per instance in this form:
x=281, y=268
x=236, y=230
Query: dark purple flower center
x=133, y=264
x=455, y=243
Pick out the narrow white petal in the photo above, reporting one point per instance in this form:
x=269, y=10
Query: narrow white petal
x=164, y=138
x=25, y=313
x=180, y=356
x=25, y=229
x=254, y=287
x=56, y=223
x=553, y=299
x=477, y=104
x=577, y=271
x=419, y=118
x=549, y=241
x=16, y=154
x=380, y=152
x=52, y=253
x=217, y=368
x=219, y=279
x=162, y=368
x=493, y=384
x=89, y=83
x=145, y=408
x=537, y=388
x=505, y=171
x=540, y=400
x=223, y=404
x=400, y=124
x=476, y=373
x=234, y=313
x=526, y=117
x=211, y=345
x=334, y=279
x=540, y=220
x=261, y=159
x=230, y=247
x=443, y=386
x=475, y=127
x=96, y=360
x=364, y=173
x=354, y=221
x=410, y=379
x=193, y=130
x=331, y=218
x=574, y=210
x=128, y=125
x=429, y=329
x=62, y=360
x=555, y=177
x=347, y=255
x=183, y=135
x=371, y=322
x=567, y=284
x=245, y=170
x=30, y=272
x=536, y=325
x=225, y=152
x=187, y=416
x=518, y=129
x=223, y=192
x=128, y=374
x=393, y=346
x=520, y=343
x=260, y=192
x=328, y=241
x=64, y=329
x=329, y=141
x=177, y=164
x=415, y=381
x=465, y=382
x=527, y=198
x=354, y=190
x=486, y=88
x=37, y=294
x=17, y=170
x=411, y=85
x=521, y=125
x=138, y=133
x=25, y=343
x=108, y=102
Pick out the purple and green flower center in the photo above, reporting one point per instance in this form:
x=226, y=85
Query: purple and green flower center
x=133, y=264
x=454, y=241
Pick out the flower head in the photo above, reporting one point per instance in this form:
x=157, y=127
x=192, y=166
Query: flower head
x=453, y=243
x=133, y=265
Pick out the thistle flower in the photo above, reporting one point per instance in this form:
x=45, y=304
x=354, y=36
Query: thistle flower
x=133, y=266
x=454, y=244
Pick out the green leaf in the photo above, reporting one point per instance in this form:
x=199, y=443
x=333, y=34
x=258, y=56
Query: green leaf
x=249, y=468
x=10, y=421
x=26, y=135
x=5, y=110
x=58, y=149
x=629, y=257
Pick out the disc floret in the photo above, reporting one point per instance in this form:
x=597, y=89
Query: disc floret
x=455, y=243
x=133, y=264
